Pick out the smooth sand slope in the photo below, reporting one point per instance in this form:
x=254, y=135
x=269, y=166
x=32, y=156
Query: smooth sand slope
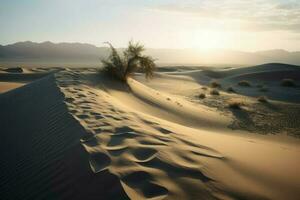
x=96, y=137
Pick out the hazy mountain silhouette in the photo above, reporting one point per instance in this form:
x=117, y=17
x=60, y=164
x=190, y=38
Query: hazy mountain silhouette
x=46, y=53
x=51, y=50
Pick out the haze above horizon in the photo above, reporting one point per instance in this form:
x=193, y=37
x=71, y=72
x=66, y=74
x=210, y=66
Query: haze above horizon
x=206, y=24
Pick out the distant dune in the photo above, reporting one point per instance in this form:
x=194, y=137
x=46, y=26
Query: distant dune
x=74, y=133
x=79, y=54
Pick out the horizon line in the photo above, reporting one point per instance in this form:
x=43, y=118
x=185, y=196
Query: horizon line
x=158, y=48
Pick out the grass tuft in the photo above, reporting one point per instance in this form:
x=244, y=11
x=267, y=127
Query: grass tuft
x=235, y=104
x=244, y=83
x=214, y=92
x=287, y=82
x=230, y=89
x=202, y=96
x=215, y=84
x=262, y=99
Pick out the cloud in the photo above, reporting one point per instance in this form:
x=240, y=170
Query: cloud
x=259, y=15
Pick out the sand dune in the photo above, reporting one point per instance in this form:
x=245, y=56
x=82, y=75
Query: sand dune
x=268, y=76
x=77, y=134
x=41, y=154
x=6, y=86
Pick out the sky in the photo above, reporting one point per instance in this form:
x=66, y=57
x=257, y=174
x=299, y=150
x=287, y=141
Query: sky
x=245, y=25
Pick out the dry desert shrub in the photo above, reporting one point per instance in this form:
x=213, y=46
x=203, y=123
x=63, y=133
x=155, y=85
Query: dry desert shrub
x=235, y=104
x=244, y=83
x=287, y=82
x=122, y=66
x=202, y=96
x=214, y=92
x=230, y=89
x=215, y=84
x=262, y=99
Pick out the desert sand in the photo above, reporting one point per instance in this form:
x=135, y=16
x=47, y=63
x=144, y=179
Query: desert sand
x=78, y=134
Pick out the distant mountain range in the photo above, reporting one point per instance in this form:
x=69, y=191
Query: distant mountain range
x=80, y=54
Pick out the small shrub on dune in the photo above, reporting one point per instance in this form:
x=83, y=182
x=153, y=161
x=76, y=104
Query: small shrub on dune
x=262, y=99
x=244, y=83
x=214, y=92
x=288, y=82
x=215, y=84
x=202, y=96
x=204, y=88
x=235, y=104
x=132, y=60
x=230, y=89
